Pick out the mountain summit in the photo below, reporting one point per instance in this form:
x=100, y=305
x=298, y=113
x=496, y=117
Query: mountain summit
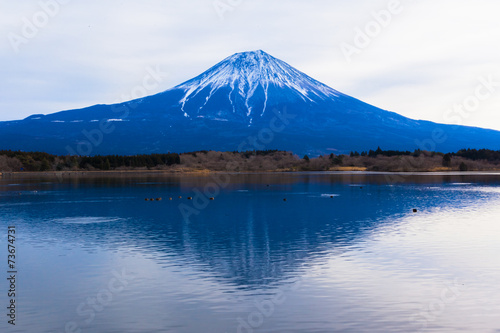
x=249, y=81
x=249, y=100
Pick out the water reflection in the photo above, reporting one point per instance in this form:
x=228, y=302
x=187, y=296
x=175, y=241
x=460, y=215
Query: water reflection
x=248, y=237
x=344, y=253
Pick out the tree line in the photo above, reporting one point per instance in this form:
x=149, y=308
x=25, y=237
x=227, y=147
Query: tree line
x=481, y=154
x=38, y=161
x=258, y=160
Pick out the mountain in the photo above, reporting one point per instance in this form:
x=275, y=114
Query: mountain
x=248, y=101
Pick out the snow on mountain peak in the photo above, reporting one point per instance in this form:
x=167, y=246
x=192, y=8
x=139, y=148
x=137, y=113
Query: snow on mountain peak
x=248, y=77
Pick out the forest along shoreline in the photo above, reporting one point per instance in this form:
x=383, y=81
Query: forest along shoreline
x=37, y=163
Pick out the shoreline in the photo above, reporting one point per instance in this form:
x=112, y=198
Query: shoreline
x=33, y=164
x=205, y=172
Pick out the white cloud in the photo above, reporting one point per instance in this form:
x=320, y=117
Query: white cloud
x=426, y=60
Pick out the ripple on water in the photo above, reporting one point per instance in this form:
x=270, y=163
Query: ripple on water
x=328, y=195
x=87, y=220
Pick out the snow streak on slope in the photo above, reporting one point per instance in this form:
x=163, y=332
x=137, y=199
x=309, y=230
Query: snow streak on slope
x=250, y=75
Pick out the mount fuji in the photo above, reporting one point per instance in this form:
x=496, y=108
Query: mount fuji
x=248, y=101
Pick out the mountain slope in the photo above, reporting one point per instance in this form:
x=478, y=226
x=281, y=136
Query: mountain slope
x=250, y=100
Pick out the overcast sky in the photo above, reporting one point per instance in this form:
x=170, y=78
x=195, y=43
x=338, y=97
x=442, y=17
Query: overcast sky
x=425, y=59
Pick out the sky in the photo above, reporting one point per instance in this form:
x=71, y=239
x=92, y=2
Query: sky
x=436, y=60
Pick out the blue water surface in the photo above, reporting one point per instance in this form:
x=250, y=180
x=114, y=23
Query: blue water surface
x=303, y=252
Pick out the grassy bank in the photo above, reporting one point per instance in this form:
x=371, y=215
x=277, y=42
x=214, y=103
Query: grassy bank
x=252, y=161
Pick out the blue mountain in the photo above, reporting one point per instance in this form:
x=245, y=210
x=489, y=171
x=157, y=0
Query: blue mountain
x=248, y=101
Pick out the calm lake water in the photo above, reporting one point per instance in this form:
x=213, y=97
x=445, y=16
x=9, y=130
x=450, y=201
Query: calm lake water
x=343, y=253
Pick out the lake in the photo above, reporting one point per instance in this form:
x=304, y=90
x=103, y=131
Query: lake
x=301, y=252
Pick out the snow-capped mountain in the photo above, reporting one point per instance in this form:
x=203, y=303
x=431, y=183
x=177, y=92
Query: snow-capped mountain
x=248, y=80
x=249, y=100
